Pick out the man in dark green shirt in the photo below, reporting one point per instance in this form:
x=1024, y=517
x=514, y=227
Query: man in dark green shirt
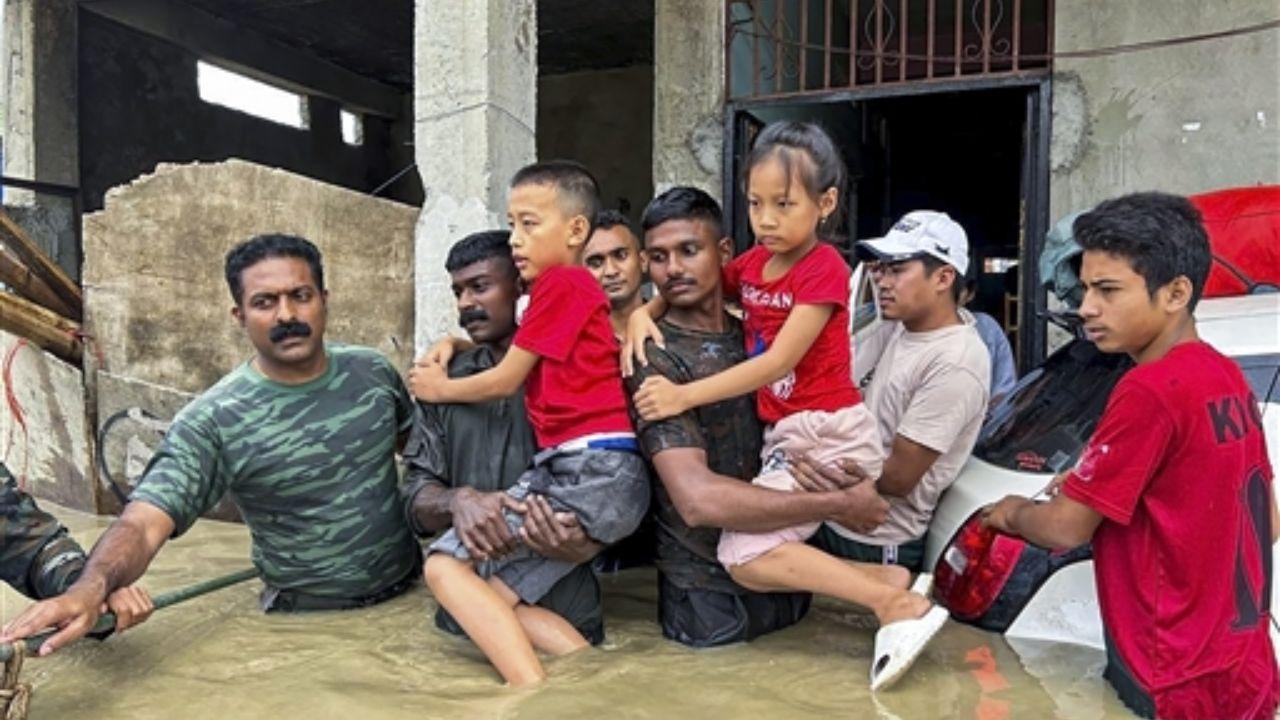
x=461, y=458
x=303, y=437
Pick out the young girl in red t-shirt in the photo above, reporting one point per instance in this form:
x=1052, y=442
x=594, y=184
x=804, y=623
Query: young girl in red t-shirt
x=793, y=289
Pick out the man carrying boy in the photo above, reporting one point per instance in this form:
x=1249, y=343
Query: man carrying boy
x=588, y=464
x=460, y=458
x=706, y=457
x=1174, y=489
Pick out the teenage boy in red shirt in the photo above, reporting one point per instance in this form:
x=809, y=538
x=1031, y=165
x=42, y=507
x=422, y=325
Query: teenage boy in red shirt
x=565, y=354
x=1174, y=488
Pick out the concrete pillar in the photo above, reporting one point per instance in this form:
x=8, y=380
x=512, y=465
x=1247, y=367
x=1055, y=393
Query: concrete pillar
x=688, y=94
x=41, y=128
x=475, y=103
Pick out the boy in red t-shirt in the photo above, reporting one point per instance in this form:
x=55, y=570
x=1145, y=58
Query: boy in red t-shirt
x=1174, y=488
x=566, y=356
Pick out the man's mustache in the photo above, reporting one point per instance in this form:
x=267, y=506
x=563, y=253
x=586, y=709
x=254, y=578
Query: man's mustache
x=472, y=315
x=291, y=328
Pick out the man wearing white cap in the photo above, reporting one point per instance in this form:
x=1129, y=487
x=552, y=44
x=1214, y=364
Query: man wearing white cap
x=928, y=388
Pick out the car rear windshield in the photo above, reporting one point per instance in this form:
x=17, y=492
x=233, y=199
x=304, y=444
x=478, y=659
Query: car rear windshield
x=1045, y=421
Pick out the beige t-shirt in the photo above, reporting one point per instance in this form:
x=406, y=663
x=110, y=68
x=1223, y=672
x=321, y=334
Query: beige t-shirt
x=932, y=388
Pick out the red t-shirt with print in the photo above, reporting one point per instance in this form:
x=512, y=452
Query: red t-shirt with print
x=1178, y=468
x=576, y=387
x=822, y=380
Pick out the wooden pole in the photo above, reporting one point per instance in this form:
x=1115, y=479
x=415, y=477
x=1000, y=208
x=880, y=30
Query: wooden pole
x=22, y=281
x=45, y=328
x=29, y=254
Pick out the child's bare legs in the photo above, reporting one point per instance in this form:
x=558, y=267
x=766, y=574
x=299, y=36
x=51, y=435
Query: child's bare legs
x=796, y=566
x=486, y=611
x=488, y=618
x=548, y=632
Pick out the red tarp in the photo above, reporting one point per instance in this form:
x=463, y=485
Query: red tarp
x=1244, y=230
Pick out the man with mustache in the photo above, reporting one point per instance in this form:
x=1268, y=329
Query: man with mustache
x=461, y=458
x=303, y=436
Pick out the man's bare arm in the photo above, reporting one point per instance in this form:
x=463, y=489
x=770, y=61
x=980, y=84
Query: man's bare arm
x=706, y=499
x=907, y=463
x=431, y=507
x=118, y=559
x=1059, y=524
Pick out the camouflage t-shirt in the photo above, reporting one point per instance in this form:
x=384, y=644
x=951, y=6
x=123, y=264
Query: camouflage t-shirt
x=37, y=556
x=311, y=467
x=729, y=432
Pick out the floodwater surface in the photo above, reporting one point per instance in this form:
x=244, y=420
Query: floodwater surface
x=219, y=657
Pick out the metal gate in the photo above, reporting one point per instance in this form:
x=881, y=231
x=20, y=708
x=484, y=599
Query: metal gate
x=802, y=47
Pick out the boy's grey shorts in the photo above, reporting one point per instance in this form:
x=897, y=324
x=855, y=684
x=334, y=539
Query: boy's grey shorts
x=608, y=491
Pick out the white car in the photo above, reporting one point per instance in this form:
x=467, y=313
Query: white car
x=1040, y=428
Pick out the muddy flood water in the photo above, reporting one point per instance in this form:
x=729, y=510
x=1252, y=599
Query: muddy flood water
x=218, y=657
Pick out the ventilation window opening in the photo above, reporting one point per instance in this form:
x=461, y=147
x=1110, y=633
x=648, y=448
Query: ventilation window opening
x=352, y=127
x=233, y=90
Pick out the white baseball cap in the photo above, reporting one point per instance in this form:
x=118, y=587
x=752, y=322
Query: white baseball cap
x=920, y=233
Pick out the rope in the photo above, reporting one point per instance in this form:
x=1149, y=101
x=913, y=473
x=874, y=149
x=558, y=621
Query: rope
x=15, y=697
x=15, y=409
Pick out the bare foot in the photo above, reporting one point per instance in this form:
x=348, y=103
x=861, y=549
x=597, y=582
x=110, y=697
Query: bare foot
x=903, y=606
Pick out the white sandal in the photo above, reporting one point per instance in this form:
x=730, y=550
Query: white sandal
x=900, y=643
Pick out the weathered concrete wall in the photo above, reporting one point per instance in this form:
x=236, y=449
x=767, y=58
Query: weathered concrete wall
x=1184, y=119
x=143, y=107
x=40, y=129
x=53, y=452
x=133, y=416
x=475, y=102
x=688, y=98
x=604, y=120
x=155, y=297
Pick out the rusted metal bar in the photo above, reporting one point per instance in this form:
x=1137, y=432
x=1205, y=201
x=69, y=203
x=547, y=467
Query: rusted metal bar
x=853, y=43
x=802, y=55
x=879, y=76
x=826, y=46
x=902, y=41
x=959, y=36
x=755, y=54
x=986, y=36
x=1017, y=32
x=928, y=53
x=777, y=47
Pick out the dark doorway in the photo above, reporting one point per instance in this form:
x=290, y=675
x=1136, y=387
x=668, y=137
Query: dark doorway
x=976, y=154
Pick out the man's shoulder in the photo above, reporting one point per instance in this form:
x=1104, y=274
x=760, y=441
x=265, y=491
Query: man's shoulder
x=962, y=348
x=358, y=356
x=471, y=361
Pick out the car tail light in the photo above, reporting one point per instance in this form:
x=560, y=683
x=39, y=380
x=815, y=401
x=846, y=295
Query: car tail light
x=985, y=578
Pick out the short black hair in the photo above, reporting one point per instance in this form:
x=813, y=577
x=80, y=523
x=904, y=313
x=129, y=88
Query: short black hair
x=683, y=203
x=576, y=187
x=1161, y=235
x=480, y=246
x=270, y=245
x=933, y=264
x=610, y=218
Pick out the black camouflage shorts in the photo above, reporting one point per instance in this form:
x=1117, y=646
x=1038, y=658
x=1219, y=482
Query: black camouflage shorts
x=607, y=490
